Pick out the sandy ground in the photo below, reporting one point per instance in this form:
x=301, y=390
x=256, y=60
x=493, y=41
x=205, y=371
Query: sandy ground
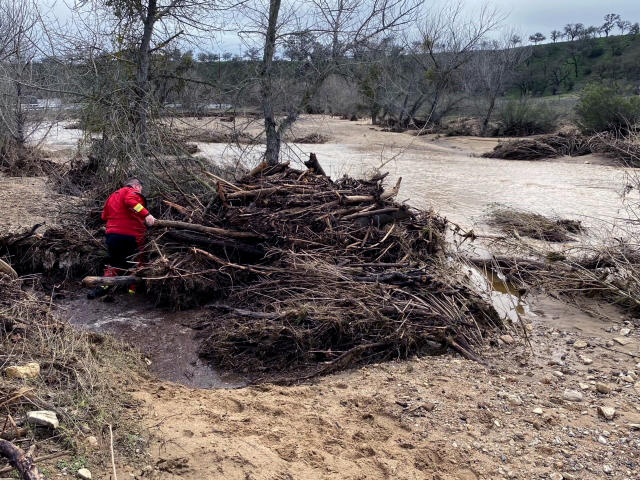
x=27, y=201
x=430, y=418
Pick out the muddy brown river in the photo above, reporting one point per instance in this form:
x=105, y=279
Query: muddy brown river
x=448, y=174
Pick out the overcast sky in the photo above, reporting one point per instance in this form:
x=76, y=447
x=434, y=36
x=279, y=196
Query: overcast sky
x=525, y=16
x=530, y=16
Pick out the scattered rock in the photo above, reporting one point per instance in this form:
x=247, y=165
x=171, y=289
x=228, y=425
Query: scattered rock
x=607, y=412
x=586, y=360
x=30, y=370
x=627, y=378
x=429, y=406
x=84, y=473
x=515, y=400
x=508, y=339
x=607, y=469
x=555, y=476
x=44, y=418
x=580, y=344
x=603, y=388
x=622, y=340
x=537, y=411
x=625, y=331
x=92, y=441
x=572, y=395
x=634, y=426
x=602, y=440
x=558, y=373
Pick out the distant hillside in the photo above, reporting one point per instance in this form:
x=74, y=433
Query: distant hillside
x=564, y=67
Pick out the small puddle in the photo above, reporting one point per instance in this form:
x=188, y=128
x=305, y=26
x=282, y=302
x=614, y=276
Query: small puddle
x=504, y=296
x=161, y=336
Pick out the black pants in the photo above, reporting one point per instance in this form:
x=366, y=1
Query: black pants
x=123, y=250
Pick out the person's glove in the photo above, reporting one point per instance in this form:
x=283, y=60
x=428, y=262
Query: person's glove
x=149, y=220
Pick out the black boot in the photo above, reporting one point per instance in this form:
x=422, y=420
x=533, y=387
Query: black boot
x=98, y=292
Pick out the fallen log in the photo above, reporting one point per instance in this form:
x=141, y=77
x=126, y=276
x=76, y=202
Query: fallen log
x=110, y=281
x=6, y=268
x=20, y=461
x=244, y=312
x=370, y=213
x=253, y=193
x=196, y=238
x=202, y=228
x=386, y=195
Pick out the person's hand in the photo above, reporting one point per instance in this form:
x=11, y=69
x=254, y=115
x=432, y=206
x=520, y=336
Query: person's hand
x=149, y=220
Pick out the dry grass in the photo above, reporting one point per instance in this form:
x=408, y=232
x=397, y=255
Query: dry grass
x=83, y=375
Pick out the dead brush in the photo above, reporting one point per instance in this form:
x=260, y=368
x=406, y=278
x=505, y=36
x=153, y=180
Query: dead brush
x=533, y=225
x=608, y=272
x=321, y=317
x=303, y=272
x=23, y=161
x=81, y=374
x=623, y=149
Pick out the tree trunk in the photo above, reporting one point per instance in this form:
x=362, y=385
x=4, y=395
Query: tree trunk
x=20, y=120
x=19, y=461
x=272, y=153
x=142, y=77
x=485, y=122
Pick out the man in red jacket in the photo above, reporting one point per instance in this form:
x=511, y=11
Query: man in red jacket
x=127, y=221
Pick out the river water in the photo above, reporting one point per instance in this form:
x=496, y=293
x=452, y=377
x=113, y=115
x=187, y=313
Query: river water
x=463, y=187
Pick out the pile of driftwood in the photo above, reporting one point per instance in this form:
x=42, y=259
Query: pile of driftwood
x=547, y=146
x=572, y=144
x=533, y=225
x=57, y=253
x=297, y=270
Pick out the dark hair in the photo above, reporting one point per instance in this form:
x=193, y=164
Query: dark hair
x=132, y=182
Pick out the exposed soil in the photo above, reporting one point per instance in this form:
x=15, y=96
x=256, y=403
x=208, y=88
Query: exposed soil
x=429, y=418
x=27, y=201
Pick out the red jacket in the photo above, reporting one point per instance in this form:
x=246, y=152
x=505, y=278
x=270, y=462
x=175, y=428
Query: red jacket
x=124, y=213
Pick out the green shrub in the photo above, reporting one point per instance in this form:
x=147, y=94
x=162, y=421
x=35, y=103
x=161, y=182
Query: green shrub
x=603, y=109
x=523, y=117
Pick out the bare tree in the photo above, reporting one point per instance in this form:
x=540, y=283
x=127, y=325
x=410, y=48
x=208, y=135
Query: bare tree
x=623, y=25
x=492, y=68
x=555, y=35
x=610, y=20
x=449, y=37
x=537, y=38
x=573, y=30
x=21, y=23
x=139, y=29
x=335, y=28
